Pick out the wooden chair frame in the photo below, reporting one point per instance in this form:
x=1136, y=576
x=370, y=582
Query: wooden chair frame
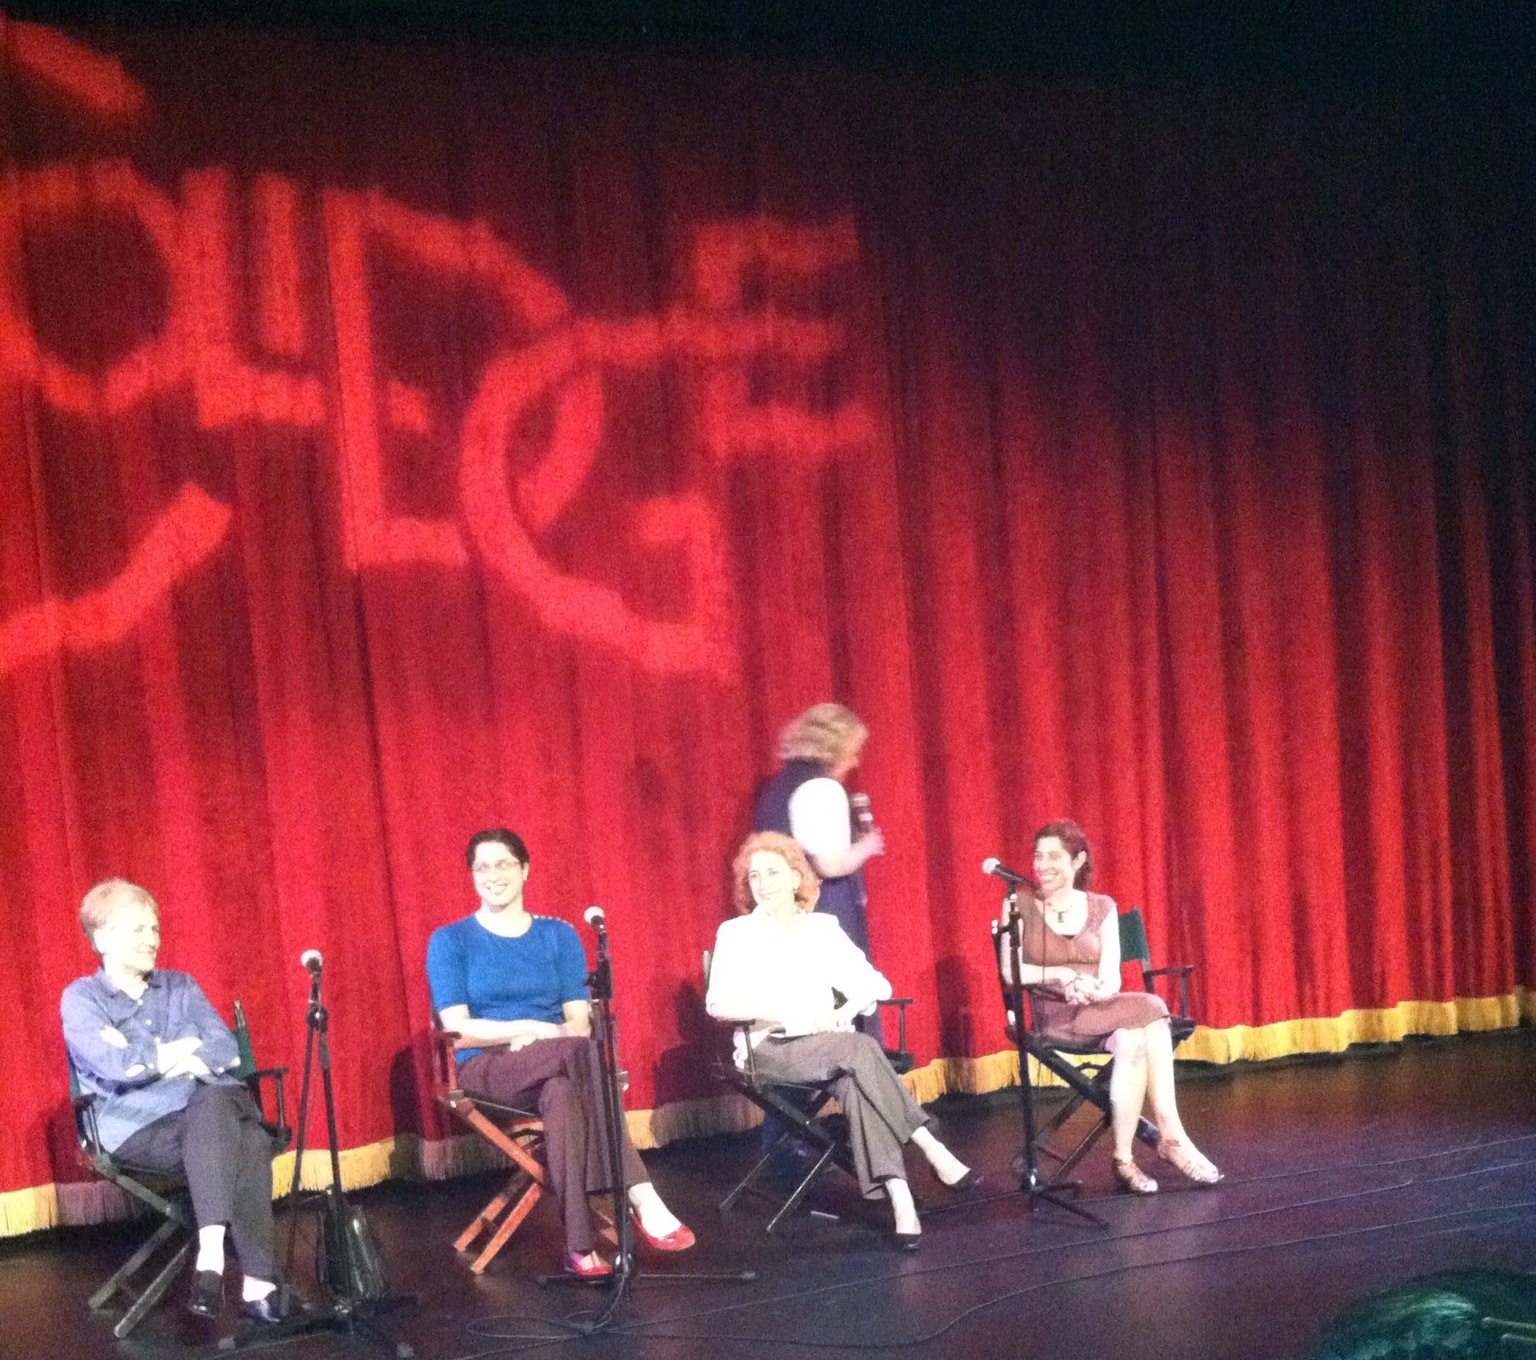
x=517, y=1133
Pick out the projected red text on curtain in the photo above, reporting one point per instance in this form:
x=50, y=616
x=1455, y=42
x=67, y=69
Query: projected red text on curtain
x=740, y=307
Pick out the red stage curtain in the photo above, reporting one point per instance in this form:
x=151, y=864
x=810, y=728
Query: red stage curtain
x=400, y=440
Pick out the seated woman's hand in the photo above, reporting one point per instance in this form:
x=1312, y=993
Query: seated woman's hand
x=534, y=1031
x=1081, y=989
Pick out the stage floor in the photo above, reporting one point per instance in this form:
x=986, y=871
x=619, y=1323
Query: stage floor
x=1344, y=1176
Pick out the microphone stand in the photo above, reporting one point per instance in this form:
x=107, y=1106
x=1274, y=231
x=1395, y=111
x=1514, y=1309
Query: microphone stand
x=1033, y=1184
x=605, y=1033
x=350, y=1310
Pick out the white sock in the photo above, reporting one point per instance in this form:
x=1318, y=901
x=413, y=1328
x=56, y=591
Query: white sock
x=253, y=1290
x=210, y=1248
x=658, y=1219
x=902, y=1207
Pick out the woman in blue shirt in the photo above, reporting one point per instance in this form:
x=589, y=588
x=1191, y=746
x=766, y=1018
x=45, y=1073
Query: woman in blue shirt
x=513, y=987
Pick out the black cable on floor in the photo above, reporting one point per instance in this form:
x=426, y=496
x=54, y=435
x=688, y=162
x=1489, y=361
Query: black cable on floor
x=575, y=1330
x=647, y=1331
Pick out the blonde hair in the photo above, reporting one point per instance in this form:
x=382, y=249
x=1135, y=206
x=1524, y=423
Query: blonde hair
x=97, y=905
x=825, y=732
x=786, y=848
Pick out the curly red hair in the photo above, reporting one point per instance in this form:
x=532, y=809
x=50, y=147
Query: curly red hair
x=786, y=848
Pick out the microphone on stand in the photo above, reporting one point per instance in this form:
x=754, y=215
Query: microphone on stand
x=313, y=961
x=597, y=919
x=994, y=866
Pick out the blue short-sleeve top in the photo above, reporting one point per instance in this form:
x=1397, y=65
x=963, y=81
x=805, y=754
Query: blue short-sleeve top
x=524, y=977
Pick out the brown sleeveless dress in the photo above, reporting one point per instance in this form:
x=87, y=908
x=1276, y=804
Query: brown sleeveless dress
x=1043, y=947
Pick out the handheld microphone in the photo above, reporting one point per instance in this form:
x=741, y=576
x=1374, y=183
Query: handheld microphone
x=596, y=918
x=312, y=960
x=863, y=818
x=994, y=866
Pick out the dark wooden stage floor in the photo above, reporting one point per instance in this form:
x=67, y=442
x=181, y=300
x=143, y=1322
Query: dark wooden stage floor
x=1344, y=1176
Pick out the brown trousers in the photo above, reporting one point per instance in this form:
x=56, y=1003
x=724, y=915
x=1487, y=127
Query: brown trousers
x=563, y=1079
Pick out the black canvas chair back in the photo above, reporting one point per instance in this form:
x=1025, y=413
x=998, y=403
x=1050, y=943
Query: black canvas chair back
x=1134, y=949
x=163, y=1195
x=800, y=1110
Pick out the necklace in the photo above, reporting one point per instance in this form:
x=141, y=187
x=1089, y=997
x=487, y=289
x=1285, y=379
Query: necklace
x=1059, y=915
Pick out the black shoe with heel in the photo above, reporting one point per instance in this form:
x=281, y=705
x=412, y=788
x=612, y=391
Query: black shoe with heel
x=206, y=1297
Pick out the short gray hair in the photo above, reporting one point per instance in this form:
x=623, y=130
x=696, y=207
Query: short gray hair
x=97, y=904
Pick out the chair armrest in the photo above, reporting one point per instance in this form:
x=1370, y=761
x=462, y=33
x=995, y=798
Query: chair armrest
x=901, y=1003
x=275, y=1075
x=86, y=1134
x=1178, y=970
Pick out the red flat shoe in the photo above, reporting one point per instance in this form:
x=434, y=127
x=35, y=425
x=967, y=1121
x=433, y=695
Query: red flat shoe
x=679, y=1239
x=571, y=1264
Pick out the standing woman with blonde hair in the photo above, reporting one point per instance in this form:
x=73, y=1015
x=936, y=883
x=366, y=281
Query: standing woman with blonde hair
x=807, y=800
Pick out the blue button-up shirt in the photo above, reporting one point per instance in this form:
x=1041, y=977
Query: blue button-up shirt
x=111, y=1039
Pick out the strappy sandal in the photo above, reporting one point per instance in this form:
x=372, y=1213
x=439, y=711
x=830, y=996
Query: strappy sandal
x=1188, y=1162
x=1132, y=1179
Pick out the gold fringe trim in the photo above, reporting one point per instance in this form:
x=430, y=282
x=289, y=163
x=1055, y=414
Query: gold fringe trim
x=408, y=1156
x=1287, y=1037
x=692, y=1119
x=24, y=1211
x=393, y=1158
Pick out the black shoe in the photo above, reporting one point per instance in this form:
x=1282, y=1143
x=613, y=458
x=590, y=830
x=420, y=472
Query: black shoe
x=970, y=1181
x=206, y=1296
x=278, y=1306
x=907, y=1241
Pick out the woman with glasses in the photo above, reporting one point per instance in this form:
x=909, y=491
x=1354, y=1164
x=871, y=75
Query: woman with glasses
x=512, y=985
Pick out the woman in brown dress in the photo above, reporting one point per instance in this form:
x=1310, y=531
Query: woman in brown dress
x=1070, y=945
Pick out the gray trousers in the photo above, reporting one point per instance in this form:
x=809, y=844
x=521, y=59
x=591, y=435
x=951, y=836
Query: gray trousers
x=882, y=1116
x=218, y=1144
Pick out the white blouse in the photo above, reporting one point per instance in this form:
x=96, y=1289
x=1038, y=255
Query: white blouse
x=780, y=975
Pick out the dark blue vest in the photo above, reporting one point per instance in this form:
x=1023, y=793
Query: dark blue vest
x=843, y=898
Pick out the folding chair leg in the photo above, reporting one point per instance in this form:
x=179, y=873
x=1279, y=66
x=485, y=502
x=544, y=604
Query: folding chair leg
x=126, y=1271
x=509, y=1225
x=605, y=1226
x=488, y=1216
x=153, y=1292
x=1064, y=1169
x=729, y=1202
x=793, y=1202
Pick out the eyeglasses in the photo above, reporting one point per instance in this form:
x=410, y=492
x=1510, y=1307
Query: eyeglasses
x=500, y=866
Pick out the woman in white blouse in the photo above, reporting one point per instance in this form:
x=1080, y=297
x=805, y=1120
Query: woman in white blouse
x=777, y=969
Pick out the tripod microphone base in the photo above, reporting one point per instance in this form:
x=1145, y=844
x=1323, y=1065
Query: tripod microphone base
x=1039, y=1191
x=354, y=1319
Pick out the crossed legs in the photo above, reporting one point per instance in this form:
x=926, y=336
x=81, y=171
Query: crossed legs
x=882, y=1116
x=1142, y=1076
x=218, y=1144
x=563, y=1079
